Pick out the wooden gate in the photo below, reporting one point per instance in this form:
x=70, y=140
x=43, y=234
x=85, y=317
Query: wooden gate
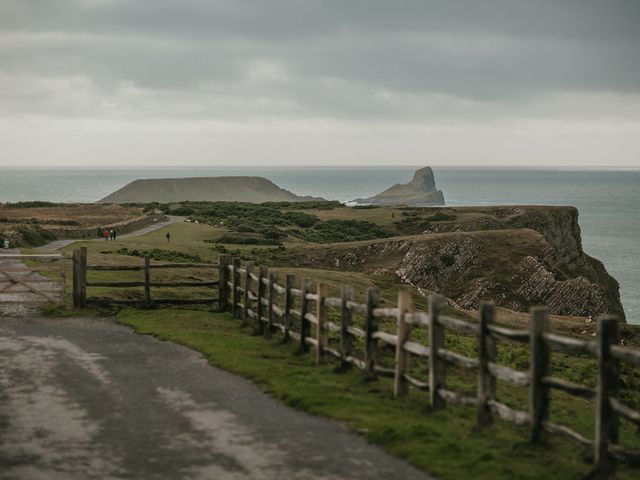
x=32, y=279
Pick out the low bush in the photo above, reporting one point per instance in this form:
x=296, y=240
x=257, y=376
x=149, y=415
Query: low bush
x=342, y=231
x=160, y=254
x=244, y=240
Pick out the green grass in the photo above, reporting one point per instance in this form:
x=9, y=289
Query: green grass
x=447, y=444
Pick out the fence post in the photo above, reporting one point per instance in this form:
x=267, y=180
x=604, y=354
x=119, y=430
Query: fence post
x=370, y=327
x=400, y=385
x=346, y=341
x=75, y=262
x=607, y=419
x=487, y=354
x=305, y=327
x=539, y=365
x=322, y=335
x=246, y=298
x=223, y=278
x=235, y=294
x=273, y=279
x=288, y=302
x=83, y=277
x=147, y=280
x=437, y=368
x=264, y=273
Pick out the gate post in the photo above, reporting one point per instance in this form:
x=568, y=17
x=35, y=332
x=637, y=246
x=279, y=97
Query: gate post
x=75, y=259
x=83, y=277
x=223, y=278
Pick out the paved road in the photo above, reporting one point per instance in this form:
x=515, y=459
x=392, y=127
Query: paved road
x=87, y=398
x=57, y=244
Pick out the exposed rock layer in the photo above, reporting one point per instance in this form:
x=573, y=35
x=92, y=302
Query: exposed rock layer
x=515, y=256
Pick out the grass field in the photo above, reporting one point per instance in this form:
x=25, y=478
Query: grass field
x=446, y=444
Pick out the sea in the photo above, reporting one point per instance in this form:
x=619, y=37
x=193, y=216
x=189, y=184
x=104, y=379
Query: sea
x=608, y=201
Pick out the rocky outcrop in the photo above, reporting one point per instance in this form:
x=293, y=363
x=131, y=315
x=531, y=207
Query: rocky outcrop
x=515, y=256
x=419, y=192
x=211, y=189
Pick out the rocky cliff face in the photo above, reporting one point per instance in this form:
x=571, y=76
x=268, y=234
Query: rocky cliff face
x=419, y=192
x=515, y=256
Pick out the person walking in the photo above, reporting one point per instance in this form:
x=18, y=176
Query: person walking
x=105, y=234
x=168, y=237
x=115, y=234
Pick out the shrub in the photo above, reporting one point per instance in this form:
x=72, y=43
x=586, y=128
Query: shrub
x=160, y=254
x=300, y=219
x=244, y=240
x=32, y=204
x=342, y=231
x=35, y=236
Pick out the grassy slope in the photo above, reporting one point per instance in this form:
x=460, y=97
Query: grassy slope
x=446, y=444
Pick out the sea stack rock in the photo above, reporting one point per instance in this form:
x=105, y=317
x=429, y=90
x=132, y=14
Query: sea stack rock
x=419, y=192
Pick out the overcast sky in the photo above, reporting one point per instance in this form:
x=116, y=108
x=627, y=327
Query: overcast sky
x=311, y=82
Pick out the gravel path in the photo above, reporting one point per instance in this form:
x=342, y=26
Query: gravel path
x=88, y=398
x=57, y=244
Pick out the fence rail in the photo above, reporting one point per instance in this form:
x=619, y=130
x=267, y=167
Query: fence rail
x=259, y=300
x=81, y=282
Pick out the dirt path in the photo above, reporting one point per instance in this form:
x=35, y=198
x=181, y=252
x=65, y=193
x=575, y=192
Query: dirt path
x=57, y=244
x=87, y=398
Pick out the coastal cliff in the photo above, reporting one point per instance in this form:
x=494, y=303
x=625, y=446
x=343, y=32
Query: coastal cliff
x=516, y=256
x=421, y=191
x=211, y=189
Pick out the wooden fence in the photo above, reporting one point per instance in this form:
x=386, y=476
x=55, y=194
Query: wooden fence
x=256, y=295
x=81, y=282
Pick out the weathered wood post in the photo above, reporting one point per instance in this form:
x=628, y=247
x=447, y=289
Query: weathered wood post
x=262, y=276
x=235, y=291
x=147, y=280
x=437, y=368
x=346, y=319
x=83, y=277
x=370, y=327
x=322, y=335
x=305, y=326
x=223, y=279
x=75, y=265
x=400, y=385
x=607, y=419
x=288, y=303
x=273, y=279
x=487, y=354
x=63, y=277
x=246, y=298
x=539, y=368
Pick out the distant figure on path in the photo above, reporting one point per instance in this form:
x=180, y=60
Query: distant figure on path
x=115, y=234
x=168, y=237
x=99, y=232
x=105, y=234
x=112, y=234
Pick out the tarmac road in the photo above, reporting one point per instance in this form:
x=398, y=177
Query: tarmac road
x=84, y=398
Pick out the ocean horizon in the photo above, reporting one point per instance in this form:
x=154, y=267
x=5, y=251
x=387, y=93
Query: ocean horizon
x=608, y=200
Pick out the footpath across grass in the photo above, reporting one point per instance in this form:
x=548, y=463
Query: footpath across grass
x=446, y=444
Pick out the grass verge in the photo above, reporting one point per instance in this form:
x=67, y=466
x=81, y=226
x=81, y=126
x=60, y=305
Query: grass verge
x=446, y=444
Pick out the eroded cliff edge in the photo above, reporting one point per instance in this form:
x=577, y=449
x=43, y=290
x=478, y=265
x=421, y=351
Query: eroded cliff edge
x=517, y=256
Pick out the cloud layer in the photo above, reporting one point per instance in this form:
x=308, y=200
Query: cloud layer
x=246, y=69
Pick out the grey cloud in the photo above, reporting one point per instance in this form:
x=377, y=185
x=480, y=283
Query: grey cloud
x=343, y=58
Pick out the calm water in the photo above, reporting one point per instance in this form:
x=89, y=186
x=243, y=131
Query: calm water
x=608, y=201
